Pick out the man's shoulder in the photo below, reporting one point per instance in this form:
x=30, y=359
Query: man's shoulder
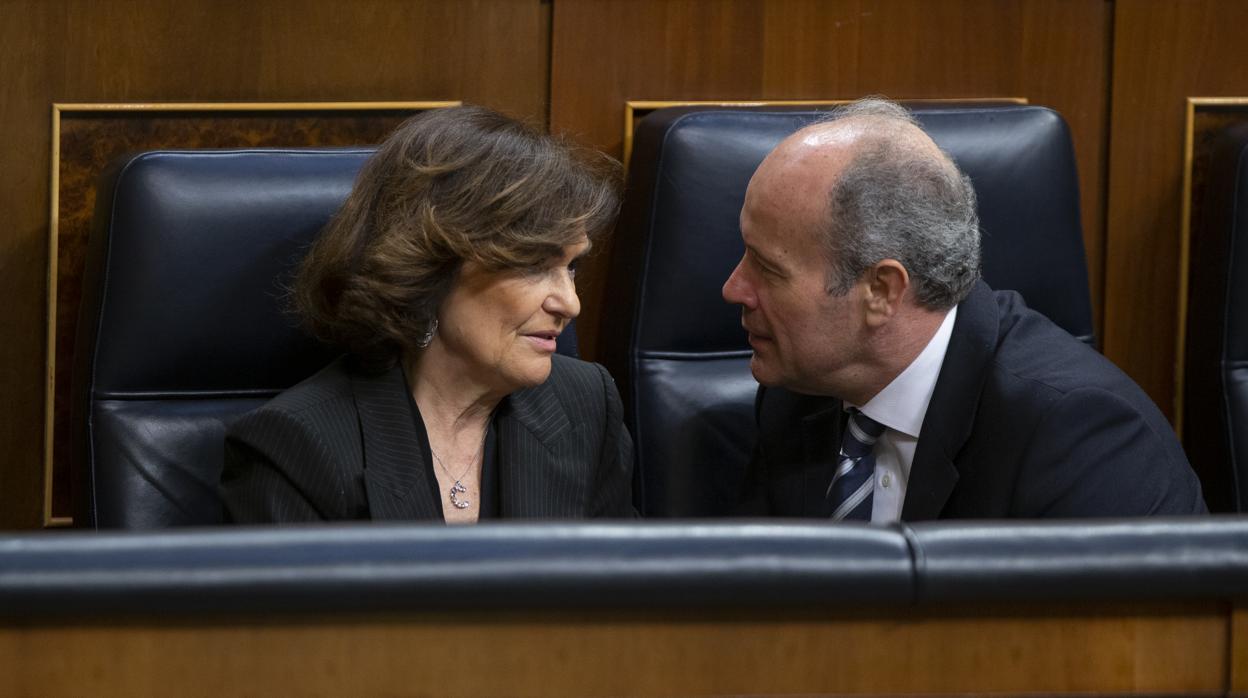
x=1039, y=371
x=1058, y=424
x=1033, y=353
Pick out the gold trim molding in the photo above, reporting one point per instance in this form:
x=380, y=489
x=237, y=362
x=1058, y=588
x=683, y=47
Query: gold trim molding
x=633, y=107
x=1194, y=104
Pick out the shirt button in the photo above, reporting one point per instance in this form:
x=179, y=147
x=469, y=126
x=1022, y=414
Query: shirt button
x=886, y=481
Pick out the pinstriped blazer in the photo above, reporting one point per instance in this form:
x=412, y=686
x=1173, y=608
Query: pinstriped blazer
x=343, y=445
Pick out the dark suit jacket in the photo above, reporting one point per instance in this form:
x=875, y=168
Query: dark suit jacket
x=1025, y=421
x=343, y=445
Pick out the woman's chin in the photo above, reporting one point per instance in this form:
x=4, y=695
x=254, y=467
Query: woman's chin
x=529, y=374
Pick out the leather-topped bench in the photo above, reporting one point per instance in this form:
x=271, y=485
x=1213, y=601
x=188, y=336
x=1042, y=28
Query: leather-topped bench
x=744, y=564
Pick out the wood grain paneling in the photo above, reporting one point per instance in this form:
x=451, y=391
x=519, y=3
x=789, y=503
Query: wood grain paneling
x=1162, y=649
x=492, y=52
x=1239, y=651
x=1163, y=54
x=1052, y=52
x=27, y=61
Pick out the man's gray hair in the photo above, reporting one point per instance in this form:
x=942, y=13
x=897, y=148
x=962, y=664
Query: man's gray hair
x=893, y=201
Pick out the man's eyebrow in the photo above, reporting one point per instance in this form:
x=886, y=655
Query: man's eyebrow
x=762, y=257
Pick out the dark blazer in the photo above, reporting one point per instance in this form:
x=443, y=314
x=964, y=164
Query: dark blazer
x=343, y=445
x=1025, y=421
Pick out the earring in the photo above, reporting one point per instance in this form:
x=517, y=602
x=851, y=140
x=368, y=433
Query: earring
x=427, y=338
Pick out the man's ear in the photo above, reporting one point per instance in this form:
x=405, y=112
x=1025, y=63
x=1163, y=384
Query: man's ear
x=887, y=283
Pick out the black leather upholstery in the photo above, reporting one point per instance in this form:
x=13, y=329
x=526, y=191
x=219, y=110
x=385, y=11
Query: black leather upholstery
x=1125, y=559
x=183, y=324
x=678, y=350
x=742, y=565
x=1215, y=405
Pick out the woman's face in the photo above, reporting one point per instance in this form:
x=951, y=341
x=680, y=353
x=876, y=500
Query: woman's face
x=498, y=328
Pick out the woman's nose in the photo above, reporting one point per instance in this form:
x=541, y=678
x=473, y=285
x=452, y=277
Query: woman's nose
x=562, y=299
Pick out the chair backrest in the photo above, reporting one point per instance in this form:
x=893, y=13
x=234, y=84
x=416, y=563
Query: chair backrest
x=183, y=324
x=1215, y=389
x=678, y=350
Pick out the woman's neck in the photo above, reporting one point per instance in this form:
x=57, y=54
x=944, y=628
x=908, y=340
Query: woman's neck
x=452, y=405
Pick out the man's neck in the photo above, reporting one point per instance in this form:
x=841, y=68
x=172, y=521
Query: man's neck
x=894, y=350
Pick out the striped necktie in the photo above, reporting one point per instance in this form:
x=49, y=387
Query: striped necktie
x=853, y=483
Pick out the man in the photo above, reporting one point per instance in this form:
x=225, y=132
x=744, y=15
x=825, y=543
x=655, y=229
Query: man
x=896, y=384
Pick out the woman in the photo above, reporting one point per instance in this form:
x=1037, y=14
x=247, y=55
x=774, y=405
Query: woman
x=447, y=275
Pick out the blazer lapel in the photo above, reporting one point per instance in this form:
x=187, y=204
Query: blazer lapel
x=821, y=445
x=530, y=474
x=951, y=412
x=396, y=476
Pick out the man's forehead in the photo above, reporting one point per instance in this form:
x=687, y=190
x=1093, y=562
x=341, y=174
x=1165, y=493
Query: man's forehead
x=780, y=212
x=793, y=173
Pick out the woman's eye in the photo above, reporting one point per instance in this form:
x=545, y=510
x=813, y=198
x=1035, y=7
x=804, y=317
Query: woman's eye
x=549, y=268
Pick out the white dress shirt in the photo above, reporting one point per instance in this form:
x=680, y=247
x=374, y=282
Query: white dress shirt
x=900, y=407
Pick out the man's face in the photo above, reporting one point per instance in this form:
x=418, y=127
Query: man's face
x=804, y=338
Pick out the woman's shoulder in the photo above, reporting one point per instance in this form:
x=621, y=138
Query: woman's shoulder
x=567, y=373
x=581, y=391
x=321, y=390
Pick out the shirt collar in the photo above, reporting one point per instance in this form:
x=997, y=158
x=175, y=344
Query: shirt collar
x=902, y=404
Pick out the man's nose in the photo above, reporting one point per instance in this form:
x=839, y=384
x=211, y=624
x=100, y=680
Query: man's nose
x=737, y=290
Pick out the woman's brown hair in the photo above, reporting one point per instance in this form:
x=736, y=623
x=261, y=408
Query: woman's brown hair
x=448, y=186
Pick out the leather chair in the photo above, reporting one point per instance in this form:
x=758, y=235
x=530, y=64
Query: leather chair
x=1215, y=404
x=183, y=324
x=678, y=351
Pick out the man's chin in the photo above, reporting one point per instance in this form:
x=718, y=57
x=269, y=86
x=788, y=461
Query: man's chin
x=771, y=377
x=763, y=373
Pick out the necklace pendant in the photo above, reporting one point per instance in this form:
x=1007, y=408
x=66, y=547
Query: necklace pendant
x=456, y=490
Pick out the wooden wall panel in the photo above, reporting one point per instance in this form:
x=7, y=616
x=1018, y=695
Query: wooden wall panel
x=1163, y=54
x=26, y=62
x=1155, y=649
x=1052, y=52
x=1239, y=651
x=492, y=52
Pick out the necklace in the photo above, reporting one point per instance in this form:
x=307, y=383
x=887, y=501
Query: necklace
x=458, y=488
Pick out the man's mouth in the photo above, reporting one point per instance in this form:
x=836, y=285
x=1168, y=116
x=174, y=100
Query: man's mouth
x=755, y=335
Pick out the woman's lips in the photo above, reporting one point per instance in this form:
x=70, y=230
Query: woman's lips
x=543, y=342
